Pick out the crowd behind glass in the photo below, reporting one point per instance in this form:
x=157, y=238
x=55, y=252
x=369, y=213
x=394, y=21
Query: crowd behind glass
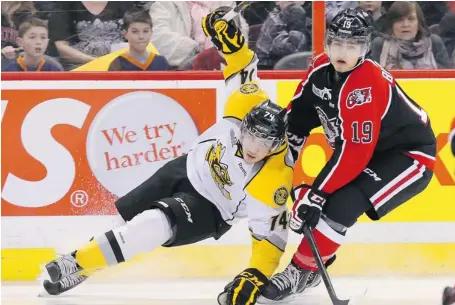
x=56, y=36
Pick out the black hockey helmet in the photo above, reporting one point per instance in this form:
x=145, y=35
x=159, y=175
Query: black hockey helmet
x=353, y=24
x=267, y=121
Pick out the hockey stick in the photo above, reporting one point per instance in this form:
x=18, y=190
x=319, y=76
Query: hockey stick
x=232, y=13
x=322, y=269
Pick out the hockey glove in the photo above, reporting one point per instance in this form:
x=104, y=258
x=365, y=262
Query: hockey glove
x=244, y=289
x=307, y=208
x=226, y=36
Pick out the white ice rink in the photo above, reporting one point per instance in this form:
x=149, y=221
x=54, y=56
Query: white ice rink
x=363, y=291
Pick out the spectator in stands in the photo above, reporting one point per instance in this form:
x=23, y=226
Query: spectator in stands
x=84, y=30
x=257, y=12
x=138, y=26
x=408, y=43
x=33, y=38
x=284, y=32
x=177, y=32
x=446, y=30
x=432, y=10
x=332, y=8
x=13, y=14
x=44, y=9
x=377, y=11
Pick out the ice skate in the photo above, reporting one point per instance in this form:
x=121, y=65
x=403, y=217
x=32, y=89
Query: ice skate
x=315, y=278
x=63, y=285
x=285, y=284
x=448, y=296
x=62, y=267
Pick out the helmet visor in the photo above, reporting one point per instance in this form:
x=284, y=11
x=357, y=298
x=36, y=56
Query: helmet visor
x=353, y=47
x=256, y=141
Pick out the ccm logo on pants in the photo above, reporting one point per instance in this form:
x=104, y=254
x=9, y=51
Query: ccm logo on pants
x=185, y=208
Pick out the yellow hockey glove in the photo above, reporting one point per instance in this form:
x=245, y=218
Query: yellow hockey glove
x=244, y=289
x=226, y=36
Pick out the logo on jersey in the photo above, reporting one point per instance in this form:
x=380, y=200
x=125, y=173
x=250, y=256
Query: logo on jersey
x=329, y=126
x=323, y=94
x=249, y=88
x=281, y=195
x=219, y=170
x=358, y=97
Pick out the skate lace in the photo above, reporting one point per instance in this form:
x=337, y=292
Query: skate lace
x=67, y=265
x=71, y=281
x=290, y=277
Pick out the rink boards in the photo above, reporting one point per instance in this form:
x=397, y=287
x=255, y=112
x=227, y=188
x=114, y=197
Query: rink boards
x=61, y=192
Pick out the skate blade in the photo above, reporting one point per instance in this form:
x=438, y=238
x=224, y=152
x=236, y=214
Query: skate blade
x=263, y=300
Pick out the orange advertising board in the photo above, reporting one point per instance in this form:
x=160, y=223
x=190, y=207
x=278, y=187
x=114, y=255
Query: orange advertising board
x=73, y=152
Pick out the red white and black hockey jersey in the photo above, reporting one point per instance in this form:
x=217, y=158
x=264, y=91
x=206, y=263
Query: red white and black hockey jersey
x=364, y=113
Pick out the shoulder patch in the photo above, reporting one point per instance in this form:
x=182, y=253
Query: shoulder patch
x=249, y=88
x=358, y=97
x=281, y=195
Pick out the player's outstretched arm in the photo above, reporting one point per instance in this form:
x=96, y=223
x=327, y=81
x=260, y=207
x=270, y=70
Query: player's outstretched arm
x=228, y=39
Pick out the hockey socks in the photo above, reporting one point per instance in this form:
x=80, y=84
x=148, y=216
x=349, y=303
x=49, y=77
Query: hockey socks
x=328, y=241
x=143, y=233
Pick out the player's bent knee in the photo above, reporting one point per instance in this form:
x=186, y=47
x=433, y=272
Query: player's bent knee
x=192, y=219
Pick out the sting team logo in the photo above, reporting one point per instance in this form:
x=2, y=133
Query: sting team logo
x=358, y=97
x=281, y=195
x=218, y=170
x=329, y=126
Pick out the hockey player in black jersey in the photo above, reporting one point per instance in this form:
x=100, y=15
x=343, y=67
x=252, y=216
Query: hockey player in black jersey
x=383, y=147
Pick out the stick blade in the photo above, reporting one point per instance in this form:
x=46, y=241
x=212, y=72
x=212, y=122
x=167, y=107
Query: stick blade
x=342, y=302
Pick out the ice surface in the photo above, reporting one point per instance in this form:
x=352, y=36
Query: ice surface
x=361, y=290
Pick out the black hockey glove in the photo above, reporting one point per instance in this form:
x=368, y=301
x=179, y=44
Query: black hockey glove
x=226, y=36
x=307, y=208
x=244, y=289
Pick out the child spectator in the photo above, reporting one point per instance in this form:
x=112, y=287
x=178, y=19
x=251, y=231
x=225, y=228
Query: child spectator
x=137, y=26
x=408, y=43
x=33, y=38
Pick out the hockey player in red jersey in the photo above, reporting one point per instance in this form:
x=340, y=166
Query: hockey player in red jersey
x=383, y=147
